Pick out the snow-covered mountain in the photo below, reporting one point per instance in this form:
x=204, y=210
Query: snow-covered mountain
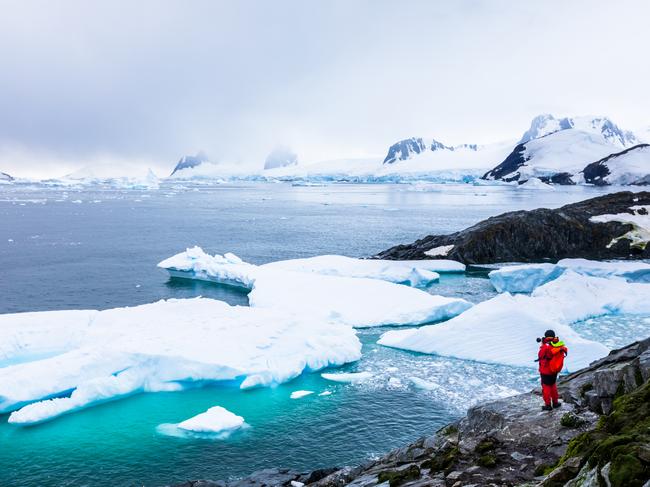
x=556, y=157
x=408, y=148
x=280, y=157
x=631, y=166
x=5, y=177
x=187, y=162
x=546, y=124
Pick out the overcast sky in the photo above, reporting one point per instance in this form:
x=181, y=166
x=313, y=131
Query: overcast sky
x=145, y=82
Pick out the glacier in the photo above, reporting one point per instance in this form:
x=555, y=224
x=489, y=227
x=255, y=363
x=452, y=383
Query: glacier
x=525, y=278
x=356, y=301
x=102, y=355
x=502, y=329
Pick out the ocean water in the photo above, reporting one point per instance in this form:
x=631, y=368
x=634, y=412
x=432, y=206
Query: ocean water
x=63, y=248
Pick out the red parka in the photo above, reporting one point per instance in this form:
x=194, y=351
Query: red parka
x=549, y=348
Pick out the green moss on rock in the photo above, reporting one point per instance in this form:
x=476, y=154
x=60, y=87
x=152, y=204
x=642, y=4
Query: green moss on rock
x=620, y=439
x=489, y=461
x=442, y=462
x=399, y=477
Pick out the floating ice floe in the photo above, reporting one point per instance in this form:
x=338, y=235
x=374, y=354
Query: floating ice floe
x=350, y=377
x=356, y=301
x=63, y=361
x=502, y=329
x=299, y=394
x=214, y=420
x=639, y=236
x=525, y=278
x=416, y=273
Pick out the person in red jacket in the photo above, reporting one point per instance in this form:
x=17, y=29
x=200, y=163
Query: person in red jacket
x=551, y=360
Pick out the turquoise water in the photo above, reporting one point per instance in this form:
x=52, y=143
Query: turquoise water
x=101, y=253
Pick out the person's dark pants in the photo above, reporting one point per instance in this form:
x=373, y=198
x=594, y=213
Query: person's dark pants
x=549, y=389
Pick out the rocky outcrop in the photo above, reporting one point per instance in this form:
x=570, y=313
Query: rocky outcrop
x=5, y=177
x=512, y=442
x=404, y=149
x=631, y=166
x=188, y=162
x=408, y=148
x=537, y=235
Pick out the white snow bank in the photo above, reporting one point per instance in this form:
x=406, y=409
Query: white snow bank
x=155, y=347
x=299, y=394
x=639, y=236
x=214, y=420
x=350, y=377
x=359, y=302
x=503, y=329
x=525, y=278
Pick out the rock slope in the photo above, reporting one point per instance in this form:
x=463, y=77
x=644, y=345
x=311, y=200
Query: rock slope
x=539, y=235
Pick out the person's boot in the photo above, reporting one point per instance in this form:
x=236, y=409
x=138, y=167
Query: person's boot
x=547, y=407
x=557, y=405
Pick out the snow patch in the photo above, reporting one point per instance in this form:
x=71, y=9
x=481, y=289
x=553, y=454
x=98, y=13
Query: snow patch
x=639, y=236
x=439, y=251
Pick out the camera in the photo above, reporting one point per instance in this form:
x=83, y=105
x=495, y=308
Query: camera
x=538, y=339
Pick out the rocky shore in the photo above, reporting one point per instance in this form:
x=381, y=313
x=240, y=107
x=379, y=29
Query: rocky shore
x=539, y=235
x=600, y=436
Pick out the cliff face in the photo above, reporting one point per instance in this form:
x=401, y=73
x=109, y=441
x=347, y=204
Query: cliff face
x=538, y=235
x=512, y=442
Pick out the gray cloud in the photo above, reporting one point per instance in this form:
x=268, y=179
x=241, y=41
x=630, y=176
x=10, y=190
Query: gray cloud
x=152, y=80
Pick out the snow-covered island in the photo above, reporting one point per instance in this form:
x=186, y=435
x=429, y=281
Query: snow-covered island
x=553, y=150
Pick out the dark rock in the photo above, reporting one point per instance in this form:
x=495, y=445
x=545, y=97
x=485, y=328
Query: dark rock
x=537, y=235
x=505, y=171
x=187, y=162
x=404, y=149
x=5, y=177
x=596, y=173
x=561, y=178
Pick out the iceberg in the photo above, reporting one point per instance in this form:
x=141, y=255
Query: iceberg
x=95, y=356
x=525, y=278
x=214, y=420
x=411, y=273
x=299, y=394
x=502, y=329
x=355, y=301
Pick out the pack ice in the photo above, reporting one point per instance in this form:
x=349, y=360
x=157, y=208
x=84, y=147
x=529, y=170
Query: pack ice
x=323, y=287
x=525, y=278
x=57, y=362
x=502, y=329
